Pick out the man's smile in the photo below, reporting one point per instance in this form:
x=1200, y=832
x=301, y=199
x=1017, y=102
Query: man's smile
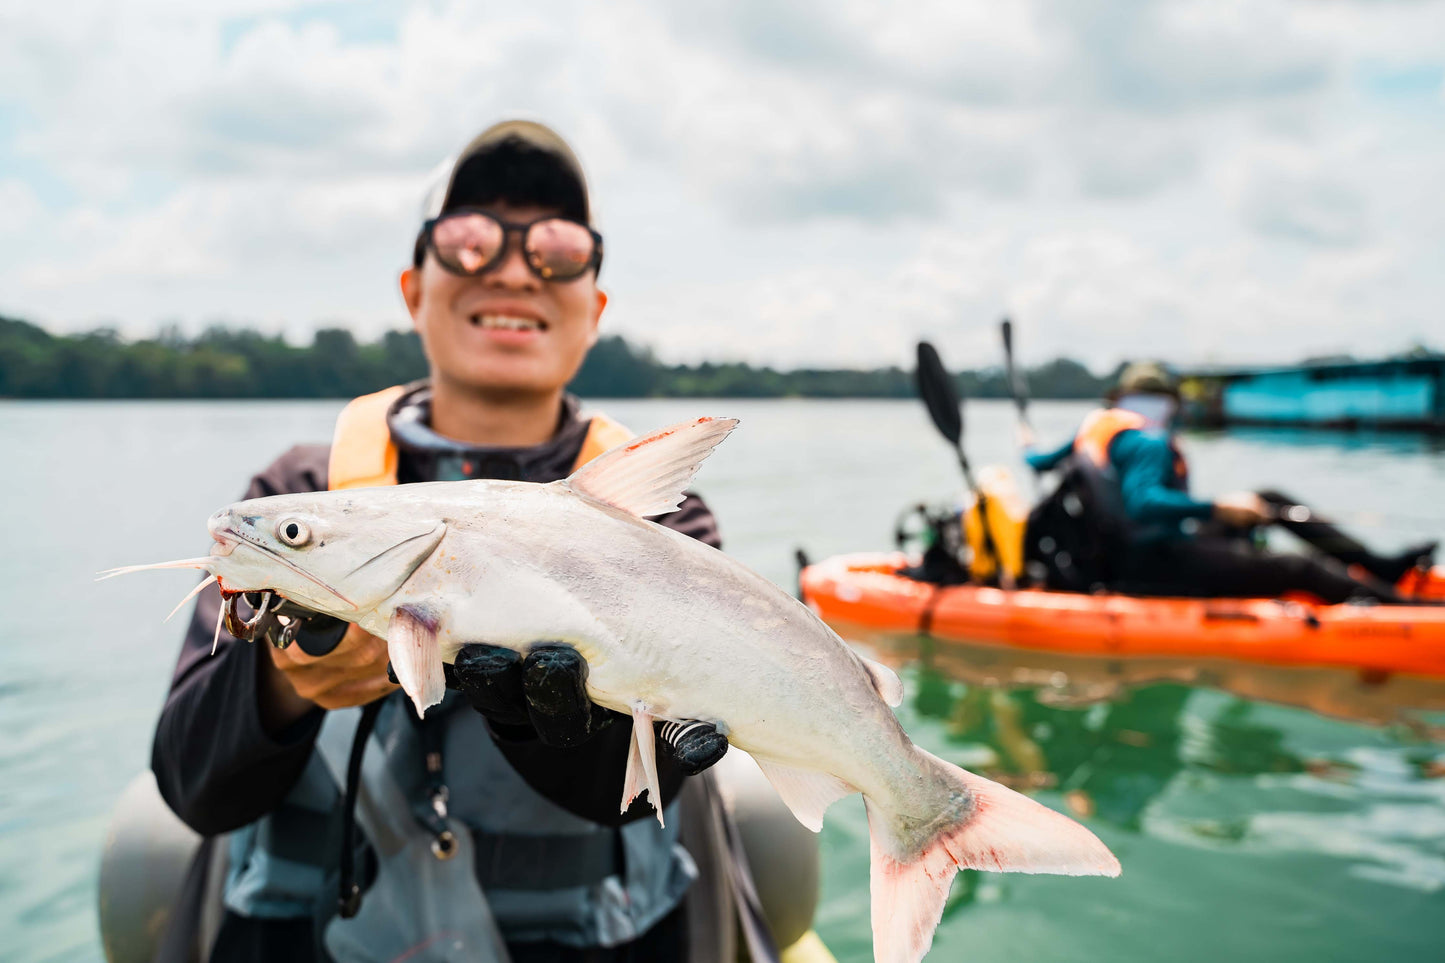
x=507, y=322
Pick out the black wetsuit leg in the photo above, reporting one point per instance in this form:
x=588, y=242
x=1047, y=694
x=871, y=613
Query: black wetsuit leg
x=1215, y=567
x=664, y=943
x=246, y=940
x=1325, y=536
x=1310, y=528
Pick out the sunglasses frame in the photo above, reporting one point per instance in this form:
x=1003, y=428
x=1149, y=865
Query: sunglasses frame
x=427, y=241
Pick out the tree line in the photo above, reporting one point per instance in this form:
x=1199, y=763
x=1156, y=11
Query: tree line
x=228, y=363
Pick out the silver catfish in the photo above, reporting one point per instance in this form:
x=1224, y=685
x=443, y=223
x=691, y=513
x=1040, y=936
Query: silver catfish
x=671, y=629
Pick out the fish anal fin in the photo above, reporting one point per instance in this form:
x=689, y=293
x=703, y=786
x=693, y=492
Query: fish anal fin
x=411, y=643
x=806, y=792
x=886, y=681
x=648, y=475
x=642, y=765
x=635, y=780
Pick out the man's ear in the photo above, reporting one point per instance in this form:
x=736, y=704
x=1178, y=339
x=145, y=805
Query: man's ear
x=600, y=306
x=410, y=282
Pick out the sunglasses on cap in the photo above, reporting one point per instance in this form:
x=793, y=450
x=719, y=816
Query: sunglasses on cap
x=469, y=242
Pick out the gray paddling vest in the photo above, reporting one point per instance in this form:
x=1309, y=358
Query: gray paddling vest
x=546, y=873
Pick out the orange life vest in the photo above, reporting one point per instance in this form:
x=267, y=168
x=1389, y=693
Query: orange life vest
x=364, y=456
x=1101, y=427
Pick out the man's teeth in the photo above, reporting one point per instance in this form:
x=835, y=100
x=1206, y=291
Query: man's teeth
x=504, y=322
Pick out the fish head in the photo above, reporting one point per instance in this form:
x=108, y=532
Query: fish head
x=328, y=551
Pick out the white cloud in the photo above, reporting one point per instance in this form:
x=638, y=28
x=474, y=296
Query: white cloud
x=20, y=209
x=1099, y=296
x=1316, y=210
x=801, y=182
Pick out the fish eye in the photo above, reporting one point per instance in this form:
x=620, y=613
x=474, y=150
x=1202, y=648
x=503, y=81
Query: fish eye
x=293, y=532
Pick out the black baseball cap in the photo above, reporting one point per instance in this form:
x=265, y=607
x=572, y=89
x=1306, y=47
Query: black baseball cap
x=520, y=161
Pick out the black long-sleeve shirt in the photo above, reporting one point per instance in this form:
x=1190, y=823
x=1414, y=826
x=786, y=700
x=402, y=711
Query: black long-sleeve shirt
x=219, y=769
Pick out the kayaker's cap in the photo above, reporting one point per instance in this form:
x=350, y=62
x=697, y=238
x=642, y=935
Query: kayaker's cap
x=508, y=152
x=1146, y=378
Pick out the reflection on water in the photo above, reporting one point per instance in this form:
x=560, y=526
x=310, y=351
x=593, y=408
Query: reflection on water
x=1062, y=679
x=1239, y=759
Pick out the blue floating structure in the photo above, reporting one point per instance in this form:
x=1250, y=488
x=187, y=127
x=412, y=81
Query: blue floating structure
x=1399, y=393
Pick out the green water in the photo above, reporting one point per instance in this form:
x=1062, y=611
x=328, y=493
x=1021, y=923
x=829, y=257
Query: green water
x=1259, y=814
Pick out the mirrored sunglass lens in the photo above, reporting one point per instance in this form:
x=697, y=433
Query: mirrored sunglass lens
x=559, y=249
x=467, y=242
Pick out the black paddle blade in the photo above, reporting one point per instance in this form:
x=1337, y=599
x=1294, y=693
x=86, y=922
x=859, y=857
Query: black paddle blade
x=936, y=389
x=1016, y=385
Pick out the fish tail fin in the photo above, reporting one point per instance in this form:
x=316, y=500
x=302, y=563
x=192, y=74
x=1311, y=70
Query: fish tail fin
x=982, y=825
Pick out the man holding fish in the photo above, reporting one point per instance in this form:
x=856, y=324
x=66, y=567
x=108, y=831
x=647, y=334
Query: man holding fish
x=559, y=611
x=503, y=291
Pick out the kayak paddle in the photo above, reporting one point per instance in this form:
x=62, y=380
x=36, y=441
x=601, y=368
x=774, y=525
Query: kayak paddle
x=940, y=396
x=1016, y=385
x=1018, y=388
x=936, y=388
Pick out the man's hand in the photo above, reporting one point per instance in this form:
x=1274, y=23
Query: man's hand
x=1025, y=436
x=545, y=694
x=352, y=674
x=1242, y=510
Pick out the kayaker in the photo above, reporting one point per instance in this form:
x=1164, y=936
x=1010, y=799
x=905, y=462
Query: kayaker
x=1171, y=543
x=503, y=292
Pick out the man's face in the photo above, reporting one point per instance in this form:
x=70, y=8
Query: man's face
x=507, y=331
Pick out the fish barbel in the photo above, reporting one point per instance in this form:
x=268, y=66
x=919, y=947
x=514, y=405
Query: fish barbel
x=671, y=629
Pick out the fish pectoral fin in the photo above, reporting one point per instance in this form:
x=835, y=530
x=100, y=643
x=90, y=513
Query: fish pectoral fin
x=807, y=792
x=411, y=643
x=886, y=681
x=648, y=475
x=642, y=765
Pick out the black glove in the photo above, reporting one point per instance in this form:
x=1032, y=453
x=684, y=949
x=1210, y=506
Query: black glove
x=542, y=696
x=545, y=695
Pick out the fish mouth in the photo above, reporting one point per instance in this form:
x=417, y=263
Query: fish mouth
x=243, y=539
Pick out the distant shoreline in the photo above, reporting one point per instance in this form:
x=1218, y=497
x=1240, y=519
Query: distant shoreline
x=239, y=364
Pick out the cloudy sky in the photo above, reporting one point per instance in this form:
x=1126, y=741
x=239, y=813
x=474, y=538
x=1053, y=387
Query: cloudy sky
x=781, y=182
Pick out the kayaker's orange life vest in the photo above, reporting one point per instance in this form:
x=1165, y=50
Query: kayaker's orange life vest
x=364, y=456
x=1101, y=427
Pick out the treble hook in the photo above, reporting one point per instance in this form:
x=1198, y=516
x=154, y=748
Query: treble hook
x=245, y=629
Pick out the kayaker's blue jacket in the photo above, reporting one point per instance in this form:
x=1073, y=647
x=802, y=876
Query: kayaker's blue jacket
x=1153, y=487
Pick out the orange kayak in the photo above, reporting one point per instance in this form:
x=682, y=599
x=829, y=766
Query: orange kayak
x=864, y=592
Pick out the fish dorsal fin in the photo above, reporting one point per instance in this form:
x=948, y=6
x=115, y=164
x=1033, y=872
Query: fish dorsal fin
x=647, y=475
x=886, y=681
